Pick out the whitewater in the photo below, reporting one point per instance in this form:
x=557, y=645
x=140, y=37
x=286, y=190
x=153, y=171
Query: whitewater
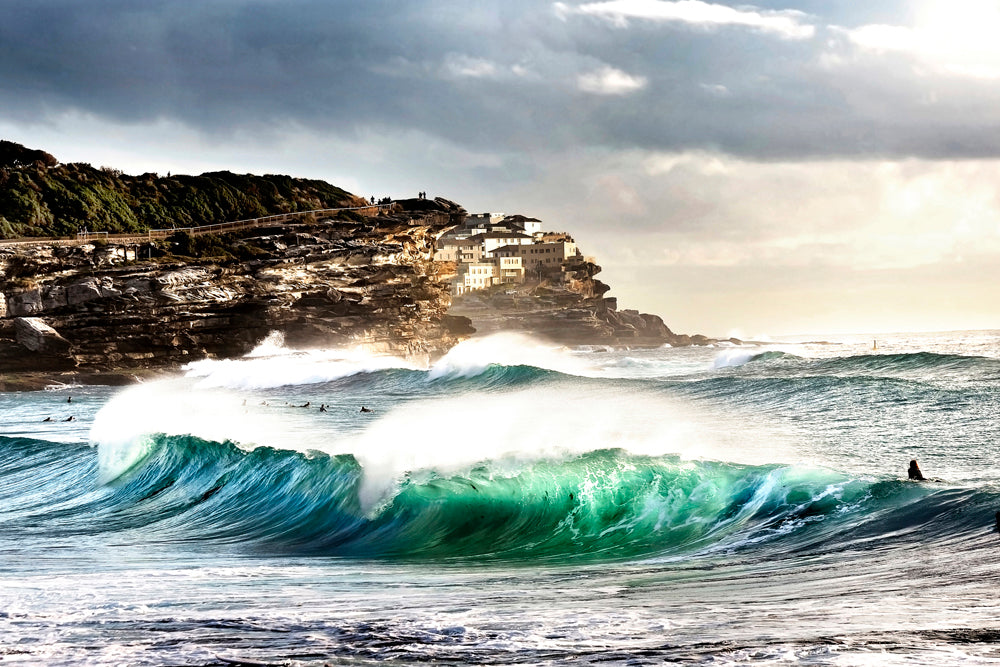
x=517, y=503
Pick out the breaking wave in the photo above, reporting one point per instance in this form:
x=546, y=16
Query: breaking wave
x=603, y=504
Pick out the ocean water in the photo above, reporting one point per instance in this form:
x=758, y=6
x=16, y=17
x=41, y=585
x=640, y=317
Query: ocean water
x=515, y=504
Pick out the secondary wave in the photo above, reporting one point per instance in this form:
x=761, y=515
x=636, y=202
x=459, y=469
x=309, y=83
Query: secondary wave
x=924, y=362
x=272, y=365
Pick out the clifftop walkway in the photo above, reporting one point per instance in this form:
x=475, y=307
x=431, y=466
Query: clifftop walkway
x=236, y=225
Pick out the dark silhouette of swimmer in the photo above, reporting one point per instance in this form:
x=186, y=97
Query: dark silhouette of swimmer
x=69, y=399
x=305, y=405
x=998, y=521
x=364, y=409
x=71, y=418
x=47, y=419
x=914, y=471
x=322, y=407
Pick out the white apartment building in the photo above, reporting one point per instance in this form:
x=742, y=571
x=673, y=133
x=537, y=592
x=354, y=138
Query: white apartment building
x=459, y=250
x=511, y=269
x=509, y=249
x=529, y=226
x=478, y=275
x=495, y=240
x=537, y=255
x=475, y=248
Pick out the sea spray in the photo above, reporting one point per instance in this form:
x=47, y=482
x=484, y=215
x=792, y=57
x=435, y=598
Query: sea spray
x=473, y=356
x=445, y=435
x=736, y=357
x=269, y=367
x=122, y=428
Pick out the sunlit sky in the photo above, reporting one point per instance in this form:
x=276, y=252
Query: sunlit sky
x=753, y=170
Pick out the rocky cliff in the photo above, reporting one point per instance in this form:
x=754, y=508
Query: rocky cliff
x=107, y=311
x=567, y=307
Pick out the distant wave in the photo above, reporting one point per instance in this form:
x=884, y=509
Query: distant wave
x=738, y=357
x=604, y=504
x=914, y=361
x=272, y=365
x=865, y=363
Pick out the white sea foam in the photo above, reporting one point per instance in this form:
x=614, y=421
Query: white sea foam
x=473, y=356
x=272, y=365
x=734, y=357
x=447, y=435
x=272, y=345
x=742, y=355
x=122, y=427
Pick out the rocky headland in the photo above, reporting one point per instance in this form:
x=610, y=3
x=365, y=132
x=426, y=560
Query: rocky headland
x=108, y=312
x=100, y=295
x=567, y=307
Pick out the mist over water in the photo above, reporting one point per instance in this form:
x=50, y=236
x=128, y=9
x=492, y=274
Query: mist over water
x=515, y=502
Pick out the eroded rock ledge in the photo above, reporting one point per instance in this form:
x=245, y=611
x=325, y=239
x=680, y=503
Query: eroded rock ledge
x=105, y=311
x=568, y=308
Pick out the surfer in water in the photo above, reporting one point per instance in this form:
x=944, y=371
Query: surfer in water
x=914, y=471
x=364, y=409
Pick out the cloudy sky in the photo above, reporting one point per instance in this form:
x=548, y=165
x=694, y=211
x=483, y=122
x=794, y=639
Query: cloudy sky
x=787, y=167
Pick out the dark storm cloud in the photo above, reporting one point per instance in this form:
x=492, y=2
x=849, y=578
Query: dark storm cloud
x=504, y=76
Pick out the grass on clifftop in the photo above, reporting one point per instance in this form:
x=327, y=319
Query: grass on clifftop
x=43, y=198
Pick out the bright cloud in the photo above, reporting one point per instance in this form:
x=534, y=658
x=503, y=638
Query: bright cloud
x=610, y=81
x=786, y=24
x=704, y=209
x=955, y=37
x=475, y=68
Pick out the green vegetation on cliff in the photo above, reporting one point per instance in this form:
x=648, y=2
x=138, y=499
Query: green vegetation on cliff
x=39, y=197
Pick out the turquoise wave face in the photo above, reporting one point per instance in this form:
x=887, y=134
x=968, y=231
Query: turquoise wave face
x=605, y=504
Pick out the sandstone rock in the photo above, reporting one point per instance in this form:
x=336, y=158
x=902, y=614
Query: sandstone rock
x=34, y=334
x=25, y=304
x=332, y=289
x=570, y=309
x=53, y=297
x=82, y=292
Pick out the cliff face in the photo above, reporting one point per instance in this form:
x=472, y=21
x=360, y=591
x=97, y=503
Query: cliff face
x=119, y=308
x=567, y=307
